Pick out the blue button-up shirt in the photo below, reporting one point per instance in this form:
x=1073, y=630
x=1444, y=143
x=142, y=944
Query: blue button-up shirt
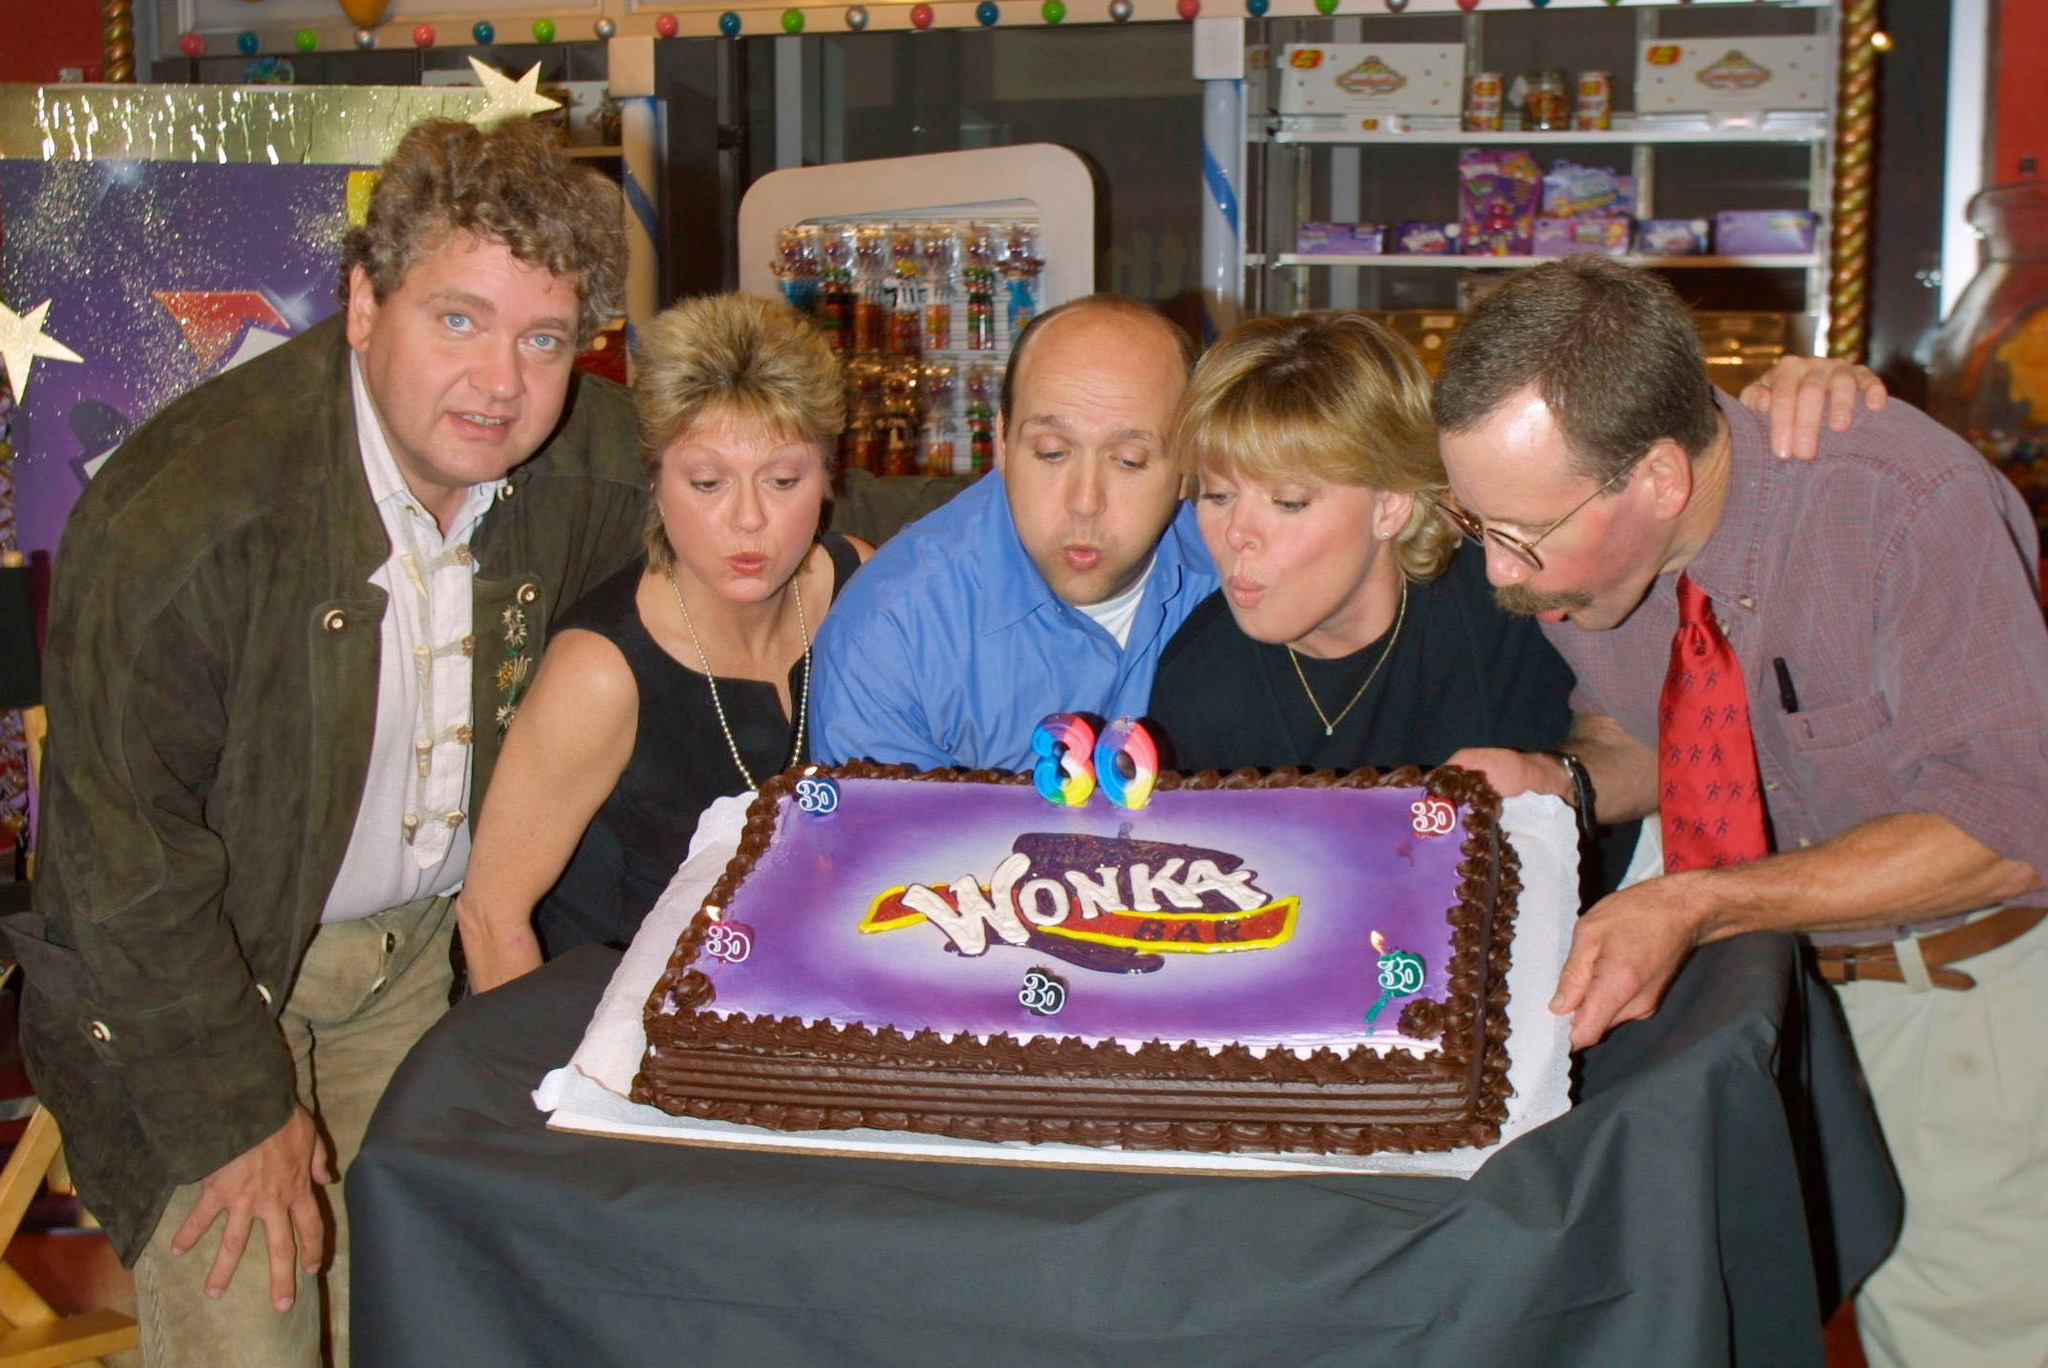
x=949, y=647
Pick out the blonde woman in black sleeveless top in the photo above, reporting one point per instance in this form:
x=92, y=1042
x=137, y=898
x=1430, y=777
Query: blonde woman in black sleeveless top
x=682, y=679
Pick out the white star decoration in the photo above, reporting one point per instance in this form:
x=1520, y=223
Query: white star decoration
x=22, y=340
x=505, y=98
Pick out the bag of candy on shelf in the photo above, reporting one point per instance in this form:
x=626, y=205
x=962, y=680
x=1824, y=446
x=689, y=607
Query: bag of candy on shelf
x=1498, y=188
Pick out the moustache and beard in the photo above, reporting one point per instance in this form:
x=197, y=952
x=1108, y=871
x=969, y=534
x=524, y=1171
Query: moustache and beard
x=1519, y=598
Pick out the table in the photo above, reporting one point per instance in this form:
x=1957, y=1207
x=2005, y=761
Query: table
x=1661, y=1221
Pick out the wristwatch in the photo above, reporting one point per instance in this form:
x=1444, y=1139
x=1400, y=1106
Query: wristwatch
x=1582, y=791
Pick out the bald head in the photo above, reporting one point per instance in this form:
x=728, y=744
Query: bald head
x=1087, y=406
x=1142, y=316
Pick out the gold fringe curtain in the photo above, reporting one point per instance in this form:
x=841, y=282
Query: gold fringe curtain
x=1855, y=168
x=117, y=39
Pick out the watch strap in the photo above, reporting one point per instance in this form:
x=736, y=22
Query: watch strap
x=1582, y=791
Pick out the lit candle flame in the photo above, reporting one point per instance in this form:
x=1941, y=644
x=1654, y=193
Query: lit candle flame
x=1379, y=944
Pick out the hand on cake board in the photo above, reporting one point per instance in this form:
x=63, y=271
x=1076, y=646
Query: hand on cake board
x=1512, y=771
x=1625, y=952
x=1802, y=391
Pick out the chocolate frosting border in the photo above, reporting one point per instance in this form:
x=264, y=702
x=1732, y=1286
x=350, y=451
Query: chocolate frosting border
x=1471, y=1022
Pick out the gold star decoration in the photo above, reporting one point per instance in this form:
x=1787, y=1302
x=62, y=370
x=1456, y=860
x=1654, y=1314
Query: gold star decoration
x=22, y=340
x=506, y=99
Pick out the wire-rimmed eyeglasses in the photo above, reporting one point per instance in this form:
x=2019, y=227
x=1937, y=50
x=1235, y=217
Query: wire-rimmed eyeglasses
x=1524, y=551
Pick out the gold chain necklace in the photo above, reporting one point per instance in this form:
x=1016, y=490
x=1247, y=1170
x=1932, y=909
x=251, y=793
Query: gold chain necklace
x=1330, y=724
x=803, y=710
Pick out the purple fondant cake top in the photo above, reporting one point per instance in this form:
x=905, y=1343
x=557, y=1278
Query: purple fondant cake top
x=1212, y=915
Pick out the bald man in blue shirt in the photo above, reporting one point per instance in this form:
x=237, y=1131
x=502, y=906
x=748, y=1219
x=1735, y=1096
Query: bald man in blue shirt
x=1049, y=588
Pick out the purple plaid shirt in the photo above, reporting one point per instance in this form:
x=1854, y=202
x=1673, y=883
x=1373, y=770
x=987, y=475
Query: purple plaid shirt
x=1894, y=576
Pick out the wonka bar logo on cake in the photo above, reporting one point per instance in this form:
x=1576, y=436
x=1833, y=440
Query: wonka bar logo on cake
x=1148, y=896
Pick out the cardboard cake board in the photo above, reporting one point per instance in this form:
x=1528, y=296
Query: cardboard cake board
x=589, y=1094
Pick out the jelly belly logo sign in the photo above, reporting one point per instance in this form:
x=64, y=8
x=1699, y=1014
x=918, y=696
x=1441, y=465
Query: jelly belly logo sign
x=1734, y=72
x=1145, y=896
x=1372, y=77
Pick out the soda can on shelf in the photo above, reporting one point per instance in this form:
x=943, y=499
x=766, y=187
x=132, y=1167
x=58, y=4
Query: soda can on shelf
x=1593, y=108
x=1485, y=96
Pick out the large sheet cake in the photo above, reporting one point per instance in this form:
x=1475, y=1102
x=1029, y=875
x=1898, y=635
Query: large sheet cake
x=1251, y=962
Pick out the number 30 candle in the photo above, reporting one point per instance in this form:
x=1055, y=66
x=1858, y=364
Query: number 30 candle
x=1071, y=761
x=1126, y=743
x=1065, y=746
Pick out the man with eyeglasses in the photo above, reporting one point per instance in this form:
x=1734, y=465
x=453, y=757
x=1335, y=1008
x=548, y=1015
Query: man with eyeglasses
x=1830, y=680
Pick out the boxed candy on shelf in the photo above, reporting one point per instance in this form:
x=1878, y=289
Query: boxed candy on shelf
x=1340, y=239
x=1428, y=239
x=1581, y=236
x=1572, y=191
x=1748, y=75
x=1346, y=80
x=1498, y=188
x=1763, y=232
x=1672, y=237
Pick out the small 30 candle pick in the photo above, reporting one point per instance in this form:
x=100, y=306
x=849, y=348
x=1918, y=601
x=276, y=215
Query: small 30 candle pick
x=1401, y=973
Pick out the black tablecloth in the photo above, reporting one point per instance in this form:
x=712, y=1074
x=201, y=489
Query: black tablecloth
x=1660, y=1222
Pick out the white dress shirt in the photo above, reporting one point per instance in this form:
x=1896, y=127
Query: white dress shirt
x=411, y=837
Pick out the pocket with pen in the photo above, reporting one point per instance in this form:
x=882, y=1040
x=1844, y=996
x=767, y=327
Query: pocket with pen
x=1840, y=757
x=1842, y=724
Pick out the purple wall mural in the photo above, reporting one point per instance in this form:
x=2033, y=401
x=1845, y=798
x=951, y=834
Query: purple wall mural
x=159, y=275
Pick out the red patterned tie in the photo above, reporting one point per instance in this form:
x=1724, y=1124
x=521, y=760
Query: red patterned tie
x=1709, y=791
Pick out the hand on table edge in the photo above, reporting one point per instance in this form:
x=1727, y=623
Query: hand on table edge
x=1910, y=866
x=272, y=1182
x=1799, y=392
x=1627, y=948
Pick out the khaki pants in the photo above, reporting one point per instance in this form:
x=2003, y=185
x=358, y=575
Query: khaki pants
x=1961, y=1085
x=367, y=990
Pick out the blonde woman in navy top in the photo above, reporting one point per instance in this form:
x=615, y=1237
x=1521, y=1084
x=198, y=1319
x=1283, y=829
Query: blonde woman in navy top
x=686, y=677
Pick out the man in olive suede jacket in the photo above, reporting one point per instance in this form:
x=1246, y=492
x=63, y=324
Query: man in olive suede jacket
x=291, y=618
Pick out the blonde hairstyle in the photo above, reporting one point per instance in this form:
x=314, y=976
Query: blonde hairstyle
x=734, y=357
x=1328, y=397
x=513, y=187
